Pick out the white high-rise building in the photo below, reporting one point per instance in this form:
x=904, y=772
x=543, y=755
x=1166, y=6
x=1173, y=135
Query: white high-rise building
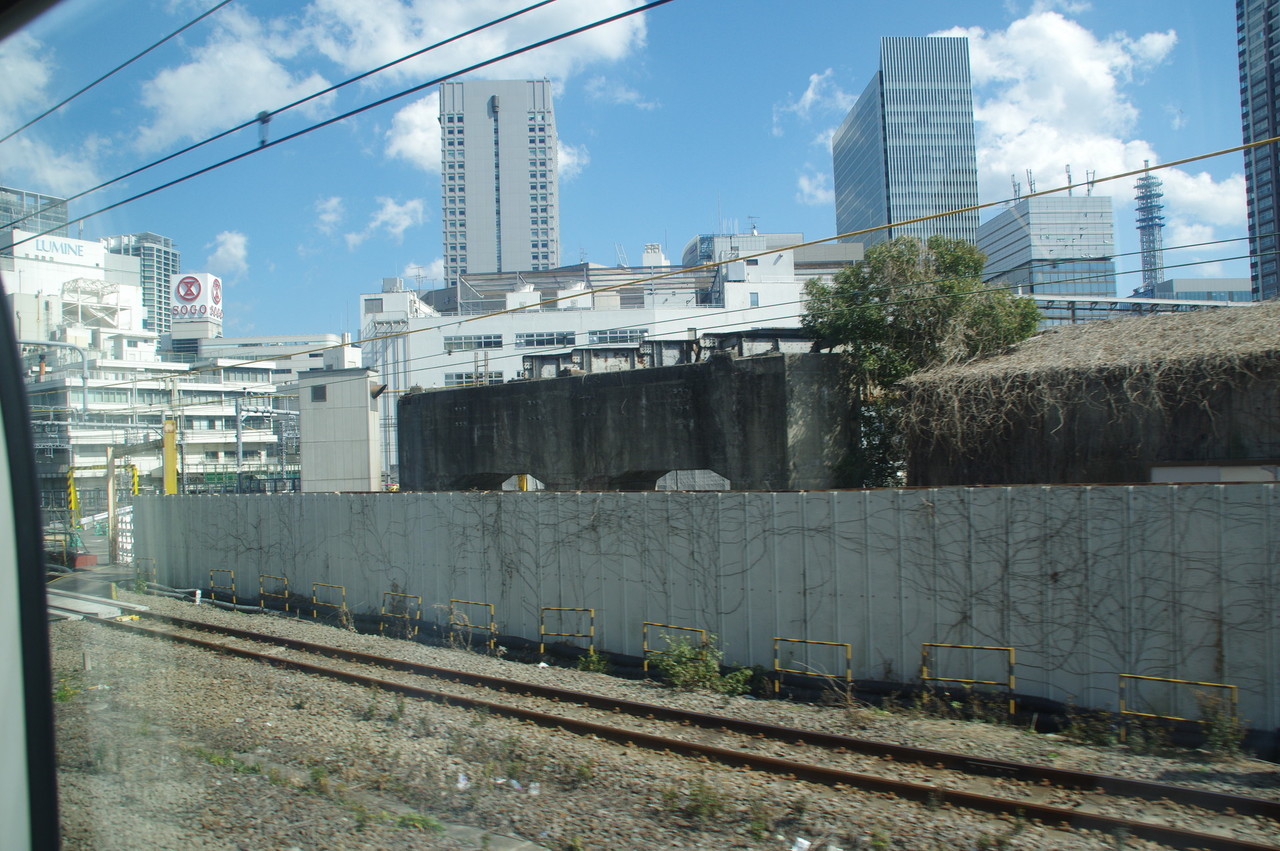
x=499, y=193
x=160, y=260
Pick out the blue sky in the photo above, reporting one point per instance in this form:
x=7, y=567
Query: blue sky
x=694, y=117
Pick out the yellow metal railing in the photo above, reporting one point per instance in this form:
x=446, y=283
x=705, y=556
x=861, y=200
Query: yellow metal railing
x=778, y=670
x=1125, y=711
x=215, y=586
x=396, y=605
x=644, y=637
x=316, y=603
x=590, y=634
x=459, y=621
x=280, y=583
x=1009, y=682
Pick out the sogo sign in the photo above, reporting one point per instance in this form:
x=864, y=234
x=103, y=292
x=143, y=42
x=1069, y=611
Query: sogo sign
x=196, y=297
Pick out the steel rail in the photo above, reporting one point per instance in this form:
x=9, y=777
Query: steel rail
x=966, y=763
x=838, y=778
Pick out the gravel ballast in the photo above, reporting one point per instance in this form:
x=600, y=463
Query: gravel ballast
x=166, y=746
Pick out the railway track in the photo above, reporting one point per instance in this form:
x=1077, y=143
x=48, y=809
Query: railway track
x=1051, y=795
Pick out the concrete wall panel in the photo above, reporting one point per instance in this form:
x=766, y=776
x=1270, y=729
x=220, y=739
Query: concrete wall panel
x=1085, y=582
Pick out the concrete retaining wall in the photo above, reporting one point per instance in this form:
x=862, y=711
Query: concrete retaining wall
x=774, y=422
x=1086, y=582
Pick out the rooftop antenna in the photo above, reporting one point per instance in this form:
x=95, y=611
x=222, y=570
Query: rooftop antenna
x=1090, y=177
x=1017, y=187
x=1069, y=180
x=1031, y=183
x=753, y=220
x=622, y=256
x=1150, y=221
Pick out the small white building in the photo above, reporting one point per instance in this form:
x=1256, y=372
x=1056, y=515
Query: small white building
x=340, y=439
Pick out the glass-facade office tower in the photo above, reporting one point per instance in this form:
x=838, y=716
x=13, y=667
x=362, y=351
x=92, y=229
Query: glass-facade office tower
x=906, y=149
x=47, y=212
x=1258, y=31
x=1055, y=244
x=499, y=193
x=159, y=258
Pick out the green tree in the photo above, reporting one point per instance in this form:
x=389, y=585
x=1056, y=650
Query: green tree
x=906, y=307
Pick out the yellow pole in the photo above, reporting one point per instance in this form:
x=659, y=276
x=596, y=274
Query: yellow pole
x=169, y=452
x=113, y=543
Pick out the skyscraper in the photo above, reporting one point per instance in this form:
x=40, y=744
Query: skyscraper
x=1258, y=29
x=499, y=193
x=160, y=259
x=1054, y=244
x=906, y=149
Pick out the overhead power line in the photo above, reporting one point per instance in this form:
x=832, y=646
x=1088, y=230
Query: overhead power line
x=344, y=116
x=60, y=104
x=266, y=116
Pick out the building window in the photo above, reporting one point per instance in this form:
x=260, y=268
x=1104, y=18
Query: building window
x=545, y=338
x=373, y=305
x=469, y=379
x=467, y=342
x=755, y=299
x=617, y=335
x=319, y=393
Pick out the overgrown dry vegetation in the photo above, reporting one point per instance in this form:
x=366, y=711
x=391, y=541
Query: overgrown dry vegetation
x=1138, y=369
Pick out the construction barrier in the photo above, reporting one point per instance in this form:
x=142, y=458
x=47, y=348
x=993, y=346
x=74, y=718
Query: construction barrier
x=1008, y=683
x=459, y=621
x=316, y=603
x=778, y=670
x=280, y=584
x=1126, y=712
x=399, y=608
x=229, y=586
x=590, y=634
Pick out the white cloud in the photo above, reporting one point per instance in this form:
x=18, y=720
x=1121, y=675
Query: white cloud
x=1048, y=92
x=24, y=95
x=391, y=218
x=602, y=89
x=814, y=189
x=239, y=72
x=230, y=254
x=26, y=69
x=822, y=97
x=329, y=212
x=360, y=33
x=571, y=159
x=415, y=134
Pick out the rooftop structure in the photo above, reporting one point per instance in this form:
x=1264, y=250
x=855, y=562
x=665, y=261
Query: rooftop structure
x=906, y=149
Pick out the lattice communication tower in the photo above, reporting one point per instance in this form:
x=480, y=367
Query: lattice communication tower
x=1150, y=223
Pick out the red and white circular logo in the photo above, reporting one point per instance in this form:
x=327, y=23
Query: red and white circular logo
x=217, y=291
x=188, y=289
